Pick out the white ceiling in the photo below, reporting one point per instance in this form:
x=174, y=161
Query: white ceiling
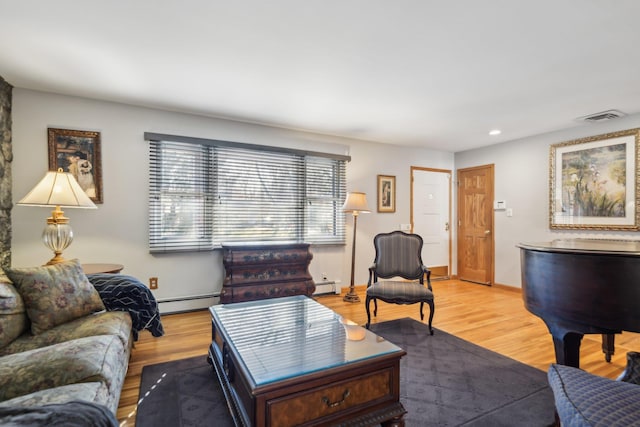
x=437, y=74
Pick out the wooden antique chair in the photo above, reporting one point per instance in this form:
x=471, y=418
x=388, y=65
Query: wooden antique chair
x=398, y=255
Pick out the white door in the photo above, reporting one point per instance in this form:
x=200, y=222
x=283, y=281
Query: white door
x=431, y=217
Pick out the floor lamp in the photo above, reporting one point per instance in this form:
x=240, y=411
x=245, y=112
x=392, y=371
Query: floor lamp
x=355, y=204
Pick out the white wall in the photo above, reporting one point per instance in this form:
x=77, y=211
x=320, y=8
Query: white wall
x=522, y=179
x=117, y=231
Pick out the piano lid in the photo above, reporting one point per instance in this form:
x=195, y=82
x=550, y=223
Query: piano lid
x=587, y=246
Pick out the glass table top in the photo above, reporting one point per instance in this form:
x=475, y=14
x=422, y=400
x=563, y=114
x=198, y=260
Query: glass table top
x=284, y=337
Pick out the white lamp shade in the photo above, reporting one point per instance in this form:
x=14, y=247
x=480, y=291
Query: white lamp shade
x=58, y=189
x=356, y=203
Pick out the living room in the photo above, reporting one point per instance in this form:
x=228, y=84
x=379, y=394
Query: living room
x=117, y=232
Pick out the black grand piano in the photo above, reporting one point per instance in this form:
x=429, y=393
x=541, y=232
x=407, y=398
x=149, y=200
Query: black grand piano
x=582, y=286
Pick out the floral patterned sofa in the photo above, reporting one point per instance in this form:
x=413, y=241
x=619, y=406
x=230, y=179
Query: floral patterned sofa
x=60, y=342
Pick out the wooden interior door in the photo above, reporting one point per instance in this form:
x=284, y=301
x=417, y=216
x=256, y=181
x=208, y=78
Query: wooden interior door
x=475, y=224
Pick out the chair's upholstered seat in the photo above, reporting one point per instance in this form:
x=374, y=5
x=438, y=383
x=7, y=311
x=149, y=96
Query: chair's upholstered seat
x=399, y=292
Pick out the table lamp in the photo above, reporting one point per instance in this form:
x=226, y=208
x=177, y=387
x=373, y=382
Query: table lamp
x=59, y=189
x=355, y=204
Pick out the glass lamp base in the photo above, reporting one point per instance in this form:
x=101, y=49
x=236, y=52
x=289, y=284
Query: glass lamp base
x=57, y=237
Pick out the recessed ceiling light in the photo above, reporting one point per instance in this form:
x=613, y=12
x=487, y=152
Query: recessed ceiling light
x=495, y=132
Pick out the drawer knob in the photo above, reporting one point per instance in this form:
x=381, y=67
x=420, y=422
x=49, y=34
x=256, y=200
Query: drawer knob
x=330, y=404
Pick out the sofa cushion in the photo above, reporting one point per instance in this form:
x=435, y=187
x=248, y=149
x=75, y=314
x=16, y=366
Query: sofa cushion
x=101, y=358
x=584, y=399
x=55, y=294
x=116, y=323
x=95, y=392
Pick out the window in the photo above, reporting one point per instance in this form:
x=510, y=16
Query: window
x=203, y=193
x=180, y=197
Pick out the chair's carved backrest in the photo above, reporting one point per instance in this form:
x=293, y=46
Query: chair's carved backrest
x=398, y=254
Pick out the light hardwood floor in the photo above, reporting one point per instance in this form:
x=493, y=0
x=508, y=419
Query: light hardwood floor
x=492, y=317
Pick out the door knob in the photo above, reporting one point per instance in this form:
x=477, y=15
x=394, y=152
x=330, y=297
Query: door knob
x=487, y=231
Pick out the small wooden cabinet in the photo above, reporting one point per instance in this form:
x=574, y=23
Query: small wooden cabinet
x=261, y=271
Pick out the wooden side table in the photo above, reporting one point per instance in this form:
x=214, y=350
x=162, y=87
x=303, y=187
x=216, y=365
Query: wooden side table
x=102, y=268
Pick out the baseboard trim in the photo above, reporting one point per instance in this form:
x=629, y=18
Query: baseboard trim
x=508, y=288
x=188, y=298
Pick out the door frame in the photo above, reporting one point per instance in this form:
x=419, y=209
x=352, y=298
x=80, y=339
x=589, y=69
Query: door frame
x=459, y=246
x=450, y=173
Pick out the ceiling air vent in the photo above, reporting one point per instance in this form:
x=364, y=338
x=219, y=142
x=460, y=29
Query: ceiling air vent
x=602, y=116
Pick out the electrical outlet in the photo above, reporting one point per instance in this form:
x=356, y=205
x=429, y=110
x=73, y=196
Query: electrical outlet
x=324, y=277
x=153, y=283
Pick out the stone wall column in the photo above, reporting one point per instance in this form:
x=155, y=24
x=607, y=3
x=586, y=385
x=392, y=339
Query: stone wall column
x=6, y=157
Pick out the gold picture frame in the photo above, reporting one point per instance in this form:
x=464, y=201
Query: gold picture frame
x=593, y=182
x=78, y=152
x=386, y=193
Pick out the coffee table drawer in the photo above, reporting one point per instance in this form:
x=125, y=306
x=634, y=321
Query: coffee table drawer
x=325, y=401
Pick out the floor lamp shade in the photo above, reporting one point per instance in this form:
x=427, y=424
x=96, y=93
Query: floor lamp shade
x=58, y=189
x=355, y=204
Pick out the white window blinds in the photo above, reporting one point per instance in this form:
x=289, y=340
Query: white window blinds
x=180, y=197
x=202, y=195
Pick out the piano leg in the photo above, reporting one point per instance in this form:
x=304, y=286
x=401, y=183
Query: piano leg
x=568, y=349
x=608, y=346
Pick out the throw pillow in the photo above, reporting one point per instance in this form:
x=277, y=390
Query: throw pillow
x=55, y=294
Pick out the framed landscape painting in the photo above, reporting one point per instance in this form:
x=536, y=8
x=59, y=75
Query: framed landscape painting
x=594, y=184
x=78, y=152
x=386, y=193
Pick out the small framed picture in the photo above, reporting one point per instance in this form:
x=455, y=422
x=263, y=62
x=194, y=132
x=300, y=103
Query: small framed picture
x=386, y=193
x=78, y=152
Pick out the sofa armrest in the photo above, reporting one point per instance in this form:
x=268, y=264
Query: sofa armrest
x=584, y=399
x=631, y=373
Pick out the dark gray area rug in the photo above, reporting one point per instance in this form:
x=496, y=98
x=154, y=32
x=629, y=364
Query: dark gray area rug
x=181, y=393
x=445, y=381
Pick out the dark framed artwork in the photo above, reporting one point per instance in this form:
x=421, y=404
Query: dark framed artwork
x=593, y=183
x=78, y=152
x=386, y=193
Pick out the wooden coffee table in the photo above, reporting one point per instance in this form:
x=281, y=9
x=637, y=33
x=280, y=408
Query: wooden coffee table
x=287, y=362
